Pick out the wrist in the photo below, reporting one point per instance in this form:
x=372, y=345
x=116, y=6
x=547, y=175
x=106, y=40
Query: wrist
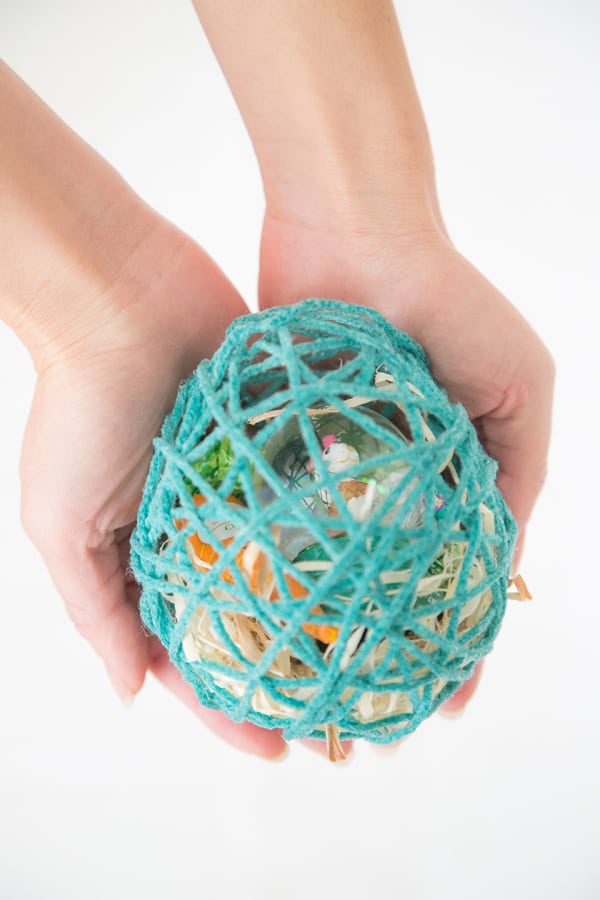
x=91, y=292
x=347, y=138
x=353, y=186
x=329, y=101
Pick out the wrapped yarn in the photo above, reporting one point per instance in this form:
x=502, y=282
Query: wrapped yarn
x=321, y=544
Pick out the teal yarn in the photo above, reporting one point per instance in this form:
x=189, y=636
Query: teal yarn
x=302, y=593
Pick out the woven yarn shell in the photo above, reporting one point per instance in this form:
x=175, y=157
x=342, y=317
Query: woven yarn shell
x=382, y=614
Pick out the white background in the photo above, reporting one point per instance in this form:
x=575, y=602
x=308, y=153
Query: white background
x=98, y=801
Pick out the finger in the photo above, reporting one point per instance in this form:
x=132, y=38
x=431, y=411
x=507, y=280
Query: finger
x=519, y=550
x=517, y=435
x=245, y=736
x=95, y=591
x=96, y=595
x=459, y=700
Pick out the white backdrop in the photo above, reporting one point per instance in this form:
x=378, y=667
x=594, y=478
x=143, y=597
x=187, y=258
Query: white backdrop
x=97, y=801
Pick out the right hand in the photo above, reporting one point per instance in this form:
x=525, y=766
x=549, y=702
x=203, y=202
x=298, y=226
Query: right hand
x=103, y=389
x=481, y=349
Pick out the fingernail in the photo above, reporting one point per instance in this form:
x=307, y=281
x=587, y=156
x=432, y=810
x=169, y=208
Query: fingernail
x=127, y=697
x=342, y=763
x=280, y=756
x=124, y=693
x=451, y=713
x=387, y=749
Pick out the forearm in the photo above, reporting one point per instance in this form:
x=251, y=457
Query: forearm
x=327, y=95
x=70, y=227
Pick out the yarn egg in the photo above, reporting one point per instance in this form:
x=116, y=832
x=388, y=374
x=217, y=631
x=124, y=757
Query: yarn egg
x=321, y=544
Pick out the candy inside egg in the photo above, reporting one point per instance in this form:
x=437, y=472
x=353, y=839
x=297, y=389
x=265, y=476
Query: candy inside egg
x=336, y=464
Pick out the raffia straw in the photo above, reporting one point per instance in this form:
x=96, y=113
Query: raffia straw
x=351, y=402
x=522, y=591
x=202, y=642
x=335, y=751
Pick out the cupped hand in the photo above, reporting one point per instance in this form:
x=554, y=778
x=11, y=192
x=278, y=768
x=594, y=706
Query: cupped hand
x=99, y=401
x=481, y=349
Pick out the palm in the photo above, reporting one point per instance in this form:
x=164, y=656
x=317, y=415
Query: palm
x=85, y=458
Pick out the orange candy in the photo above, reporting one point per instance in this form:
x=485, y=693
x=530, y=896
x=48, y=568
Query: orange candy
x=253, y=564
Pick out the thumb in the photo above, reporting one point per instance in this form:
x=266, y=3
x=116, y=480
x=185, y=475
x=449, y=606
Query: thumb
x=517, y=434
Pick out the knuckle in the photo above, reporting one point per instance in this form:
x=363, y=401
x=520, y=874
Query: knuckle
x=42, y=524
x=31, y=519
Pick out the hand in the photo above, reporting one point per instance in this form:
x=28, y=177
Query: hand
x=98, y=403
x=482, y=350
x=353, y=214
x=116, y=307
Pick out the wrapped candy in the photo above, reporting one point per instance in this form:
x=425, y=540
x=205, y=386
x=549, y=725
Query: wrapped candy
x=321, y=544
x=344, y=446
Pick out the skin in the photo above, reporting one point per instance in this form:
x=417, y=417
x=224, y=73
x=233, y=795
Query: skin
x=351, y=212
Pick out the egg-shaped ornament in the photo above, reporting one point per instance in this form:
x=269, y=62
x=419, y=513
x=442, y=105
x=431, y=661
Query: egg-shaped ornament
x=321, y=544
